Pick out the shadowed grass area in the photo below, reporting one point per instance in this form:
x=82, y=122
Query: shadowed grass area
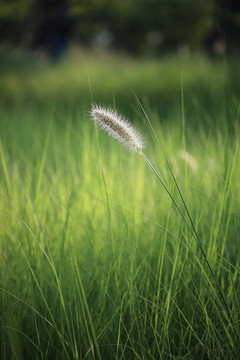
x=96, y=263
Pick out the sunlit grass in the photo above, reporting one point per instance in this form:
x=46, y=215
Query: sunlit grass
x=95, y=260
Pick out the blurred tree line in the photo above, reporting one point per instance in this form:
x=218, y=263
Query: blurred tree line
x=137, y=26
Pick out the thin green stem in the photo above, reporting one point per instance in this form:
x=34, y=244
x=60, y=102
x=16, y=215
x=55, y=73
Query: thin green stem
x=192, y=229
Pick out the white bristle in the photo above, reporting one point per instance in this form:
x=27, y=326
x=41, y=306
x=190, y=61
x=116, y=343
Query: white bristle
x=117, y=127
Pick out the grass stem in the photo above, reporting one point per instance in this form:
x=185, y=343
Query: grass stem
x=192, y=229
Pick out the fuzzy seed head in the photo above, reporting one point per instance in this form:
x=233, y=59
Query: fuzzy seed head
x=117, y=127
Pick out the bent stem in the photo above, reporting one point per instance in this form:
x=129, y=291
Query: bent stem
x=192, y=229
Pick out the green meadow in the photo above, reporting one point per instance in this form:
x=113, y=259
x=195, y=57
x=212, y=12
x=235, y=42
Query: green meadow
x=95, y=260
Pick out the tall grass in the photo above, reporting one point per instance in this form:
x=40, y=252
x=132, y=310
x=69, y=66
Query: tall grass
x=96, y=263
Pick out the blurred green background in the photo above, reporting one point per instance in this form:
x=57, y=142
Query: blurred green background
x=95, y=262
x=61, y=51
x=146, y=27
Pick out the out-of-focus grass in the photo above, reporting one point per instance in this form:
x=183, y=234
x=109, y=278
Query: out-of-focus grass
x=95, y=261
x=208, y=84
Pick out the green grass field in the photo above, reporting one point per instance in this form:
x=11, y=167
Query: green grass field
x=96, y=262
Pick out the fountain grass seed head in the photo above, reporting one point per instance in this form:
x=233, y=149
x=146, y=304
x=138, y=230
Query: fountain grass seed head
x=117, y=127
